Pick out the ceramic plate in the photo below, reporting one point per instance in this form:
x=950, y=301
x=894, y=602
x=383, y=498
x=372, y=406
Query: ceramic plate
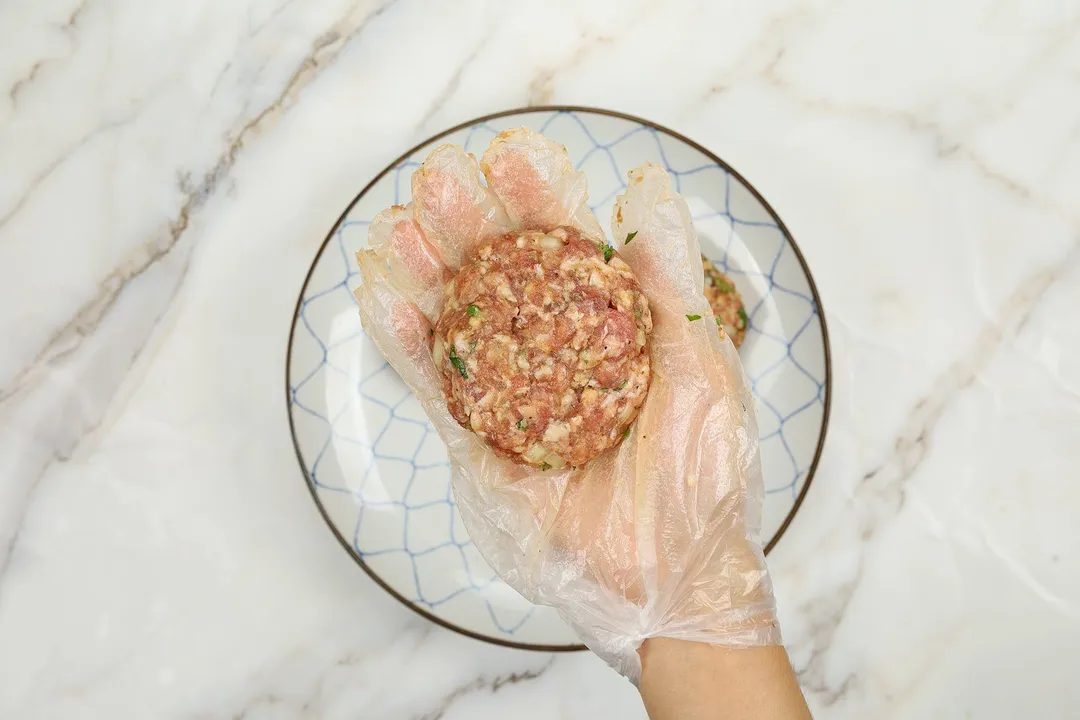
x=377, y=469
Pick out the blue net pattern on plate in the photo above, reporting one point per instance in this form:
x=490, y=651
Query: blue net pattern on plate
x=374, y=388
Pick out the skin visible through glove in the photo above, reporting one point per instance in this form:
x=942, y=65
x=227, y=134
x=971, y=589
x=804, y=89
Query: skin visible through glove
x=543, y=347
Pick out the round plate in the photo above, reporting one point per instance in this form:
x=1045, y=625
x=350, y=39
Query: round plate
x=377, y=469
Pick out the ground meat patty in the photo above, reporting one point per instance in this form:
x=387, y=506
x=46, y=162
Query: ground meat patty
x=727, y=304
x=543, y=347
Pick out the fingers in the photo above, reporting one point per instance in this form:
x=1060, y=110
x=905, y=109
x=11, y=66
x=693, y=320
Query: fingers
x=397, y=327
x=652, y=227
x=452, y=206
x=415, y=266
x=663, y=248
x=403, y=335
x=537, y=183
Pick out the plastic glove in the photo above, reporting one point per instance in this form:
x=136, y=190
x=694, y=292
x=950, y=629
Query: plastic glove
x=655, y=538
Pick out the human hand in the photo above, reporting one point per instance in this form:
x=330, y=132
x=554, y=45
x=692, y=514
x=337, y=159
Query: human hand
x=655, y=538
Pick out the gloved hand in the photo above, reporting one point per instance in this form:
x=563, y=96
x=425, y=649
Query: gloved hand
x=655, y=538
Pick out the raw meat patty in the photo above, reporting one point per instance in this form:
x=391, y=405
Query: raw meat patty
x=543, y=347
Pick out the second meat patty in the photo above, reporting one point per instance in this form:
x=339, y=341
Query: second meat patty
x=726, y=303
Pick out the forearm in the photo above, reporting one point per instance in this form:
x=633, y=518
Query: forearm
x=692, y=681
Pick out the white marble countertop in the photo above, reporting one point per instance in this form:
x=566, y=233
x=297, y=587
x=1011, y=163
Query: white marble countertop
x=168, y=169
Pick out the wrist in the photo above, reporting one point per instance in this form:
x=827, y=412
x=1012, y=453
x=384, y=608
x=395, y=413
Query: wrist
x=687, y=680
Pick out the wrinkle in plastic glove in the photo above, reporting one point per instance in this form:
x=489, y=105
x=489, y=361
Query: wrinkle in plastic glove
x=657, y=537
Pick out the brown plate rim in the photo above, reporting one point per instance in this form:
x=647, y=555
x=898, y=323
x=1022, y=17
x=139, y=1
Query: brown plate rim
x=484, y=118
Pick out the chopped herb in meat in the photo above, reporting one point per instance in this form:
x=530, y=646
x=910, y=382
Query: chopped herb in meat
x=627, y=433
x=608, y=253
x=692, y=318
x=630, y=237
x=724, y=287
x=617, y=388
x=743, y=318
x=545, y=466
x=458, y=363
x=510, y=386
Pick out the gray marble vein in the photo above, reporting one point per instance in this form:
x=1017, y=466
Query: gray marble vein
x=881, y=490
x=67, y=340
x=170, y=168
x=484, y=684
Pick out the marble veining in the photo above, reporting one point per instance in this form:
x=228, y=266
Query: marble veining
x=167, y=171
